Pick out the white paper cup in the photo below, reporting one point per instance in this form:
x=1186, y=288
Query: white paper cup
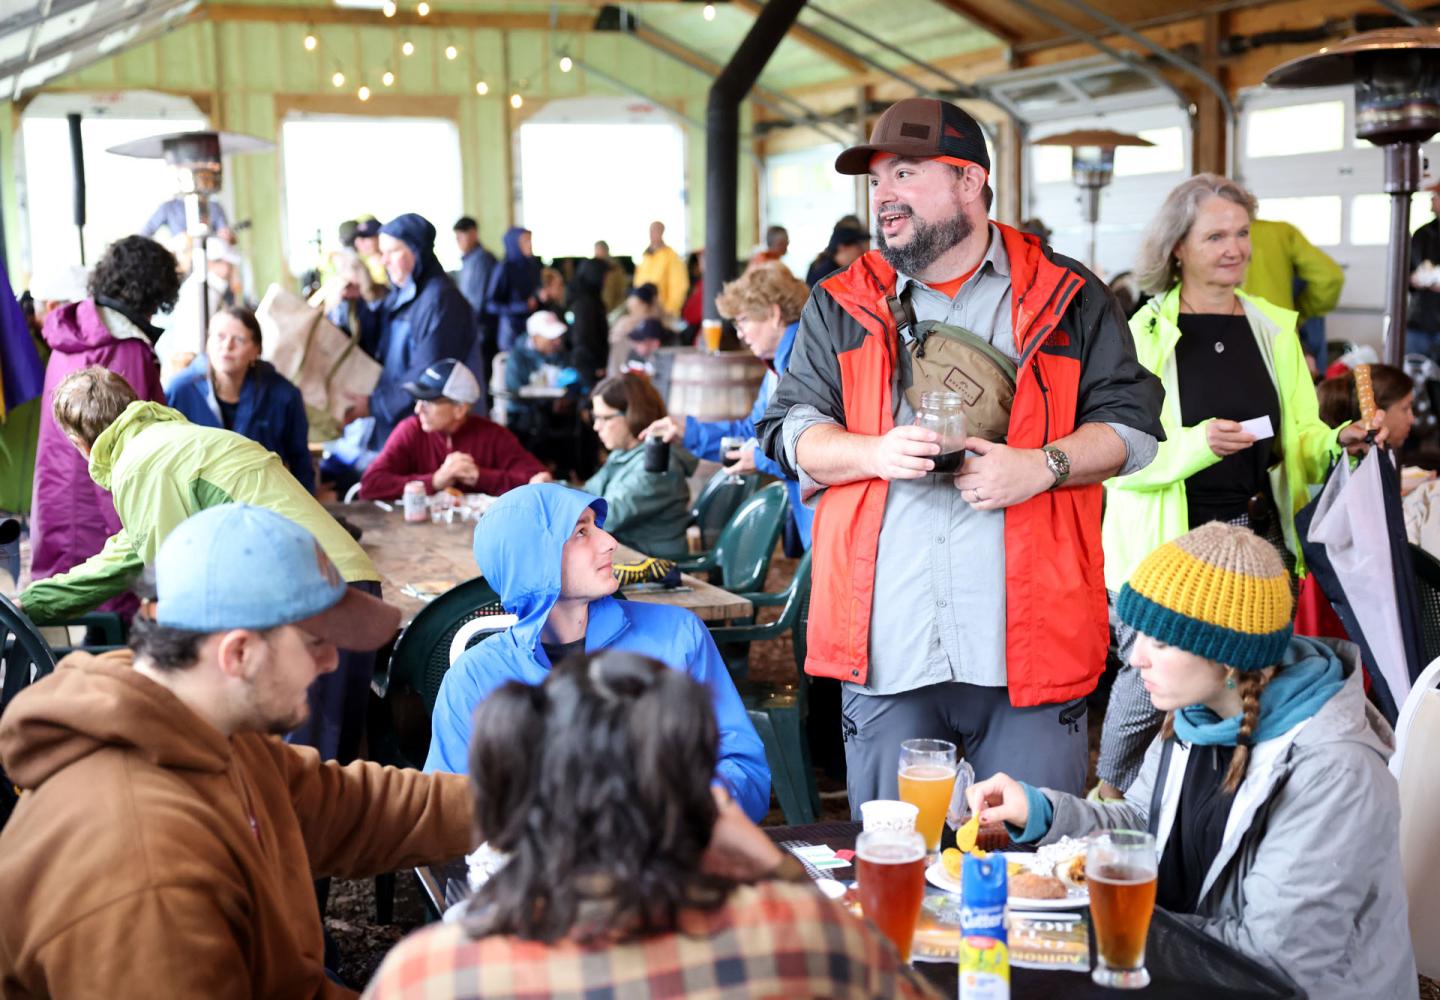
x=888, y=814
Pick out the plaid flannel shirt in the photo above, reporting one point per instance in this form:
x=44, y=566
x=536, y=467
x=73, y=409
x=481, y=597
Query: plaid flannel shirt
x=774, y=939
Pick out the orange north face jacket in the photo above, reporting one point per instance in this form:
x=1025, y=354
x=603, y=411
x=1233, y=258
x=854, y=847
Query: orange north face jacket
x=1077, y=365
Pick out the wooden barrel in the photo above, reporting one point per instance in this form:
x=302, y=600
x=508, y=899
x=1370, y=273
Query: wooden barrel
x=713, y=386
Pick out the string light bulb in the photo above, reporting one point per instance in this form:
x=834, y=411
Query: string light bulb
x=388, y=8
x=516, y=101
x=451, y=52
x=566, y=64
x=709, y=12
x=422, y=8
x=338, y=79
x=310, y=41
x=482, y=88
x=363, y=93
x=407, y=48
x=387, y=78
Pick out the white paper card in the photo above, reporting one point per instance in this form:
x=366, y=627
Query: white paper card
x=1259, y=426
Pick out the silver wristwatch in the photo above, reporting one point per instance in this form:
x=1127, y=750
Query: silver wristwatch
x=1059, y=464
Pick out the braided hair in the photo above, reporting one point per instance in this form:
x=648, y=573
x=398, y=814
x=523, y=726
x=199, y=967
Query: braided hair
x=1249, y=684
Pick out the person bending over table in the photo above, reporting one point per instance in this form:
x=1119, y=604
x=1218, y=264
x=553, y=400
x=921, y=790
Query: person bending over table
x=545, y=551
x=445, y=445
x=649, y=511
x=1278, y=821
x=166, y=842
x=161, y=469
x=627, y=874
x=232, y=387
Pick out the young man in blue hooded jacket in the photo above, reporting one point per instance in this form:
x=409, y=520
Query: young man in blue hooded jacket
x=543, y=548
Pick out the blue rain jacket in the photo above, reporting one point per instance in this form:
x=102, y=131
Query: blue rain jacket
x=514, y=281
x=511, y=544
x=703, y=439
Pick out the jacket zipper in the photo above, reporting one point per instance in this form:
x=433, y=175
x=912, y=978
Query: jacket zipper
x=1044, y=394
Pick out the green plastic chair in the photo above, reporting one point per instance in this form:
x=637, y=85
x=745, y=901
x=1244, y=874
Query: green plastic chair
x=779, y=711
x=717, y=503
x=741, y=556
x=419, y=662
x=25, y=658
x=421, y=656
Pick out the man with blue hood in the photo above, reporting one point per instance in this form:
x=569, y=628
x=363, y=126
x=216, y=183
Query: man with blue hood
x=545, y=551
x=423, y=318
x=514, y=287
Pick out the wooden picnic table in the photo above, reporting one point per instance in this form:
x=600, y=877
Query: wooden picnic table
x=433, y=557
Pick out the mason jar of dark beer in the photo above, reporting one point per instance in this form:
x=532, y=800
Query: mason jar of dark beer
x=944, y=413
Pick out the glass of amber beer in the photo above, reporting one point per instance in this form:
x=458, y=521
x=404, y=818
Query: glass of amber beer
x=1120, y=874
x=927, y=779
x=890, y=875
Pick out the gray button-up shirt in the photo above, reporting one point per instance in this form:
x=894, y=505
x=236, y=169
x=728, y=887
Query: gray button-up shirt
x=938, y=612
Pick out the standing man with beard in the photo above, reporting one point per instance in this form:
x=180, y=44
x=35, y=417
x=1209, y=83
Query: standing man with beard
x=969, y=605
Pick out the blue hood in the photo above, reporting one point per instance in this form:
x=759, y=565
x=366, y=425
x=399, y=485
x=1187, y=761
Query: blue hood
x=518, y=547
x=512, y=243
x=416, y=232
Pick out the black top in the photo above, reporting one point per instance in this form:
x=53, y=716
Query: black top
x=1198, y=829
x=1222, y=374
x=1424, y=311
x=558, y=651
x=227, y=413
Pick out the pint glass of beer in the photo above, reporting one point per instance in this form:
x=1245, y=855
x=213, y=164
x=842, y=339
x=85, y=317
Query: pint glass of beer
x=710, y=331
x=927, y=778
x=1120, y=873
x=890, y=874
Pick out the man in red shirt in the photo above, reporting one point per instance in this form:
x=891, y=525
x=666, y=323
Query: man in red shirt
x=445, y=445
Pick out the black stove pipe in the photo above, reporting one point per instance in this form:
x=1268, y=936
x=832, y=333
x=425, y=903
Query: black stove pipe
x=722, y=140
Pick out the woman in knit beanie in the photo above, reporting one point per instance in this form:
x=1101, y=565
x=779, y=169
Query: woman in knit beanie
x=1274, y=815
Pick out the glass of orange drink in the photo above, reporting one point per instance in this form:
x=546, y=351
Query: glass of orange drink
x=927, y=779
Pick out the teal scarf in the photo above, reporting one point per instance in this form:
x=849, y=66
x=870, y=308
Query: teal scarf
x=1308, y=677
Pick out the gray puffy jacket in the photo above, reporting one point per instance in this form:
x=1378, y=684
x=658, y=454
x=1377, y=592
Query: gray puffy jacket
x=1307, y=879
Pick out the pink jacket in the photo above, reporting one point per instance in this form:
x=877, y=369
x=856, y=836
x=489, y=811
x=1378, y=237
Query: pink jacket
x=71, y=516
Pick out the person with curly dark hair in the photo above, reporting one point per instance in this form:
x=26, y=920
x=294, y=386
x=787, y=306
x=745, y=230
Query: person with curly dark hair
x=71, y=516
x=625, y=872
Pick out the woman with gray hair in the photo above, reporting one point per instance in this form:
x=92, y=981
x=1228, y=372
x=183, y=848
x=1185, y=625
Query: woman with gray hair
x=1243, y=435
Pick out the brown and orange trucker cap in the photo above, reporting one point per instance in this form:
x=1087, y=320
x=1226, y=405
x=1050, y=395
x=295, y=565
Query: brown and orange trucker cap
x=919, y=127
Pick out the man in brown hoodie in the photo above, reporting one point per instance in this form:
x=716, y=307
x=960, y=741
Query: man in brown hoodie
x=167, y=841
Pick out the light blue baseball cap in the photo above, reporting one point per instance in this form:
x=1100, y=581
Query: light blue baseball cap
x=238, y=566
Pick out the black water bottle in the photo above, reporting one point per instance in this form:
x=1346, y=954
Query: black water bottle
x=657, y=454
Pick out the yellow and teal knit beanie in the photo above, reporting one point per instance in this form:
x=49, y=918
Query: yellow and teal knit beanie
x=1220, y=592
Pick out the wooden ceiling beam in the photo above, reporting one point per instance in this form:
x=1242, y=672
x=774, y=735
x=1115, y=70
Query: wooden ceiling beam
x=811, y=40
x=222, y=12
x=695, y=60
x=978, y=16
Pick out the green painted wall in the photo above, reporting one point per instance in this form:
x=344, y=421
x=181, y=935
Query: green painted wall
x=250, y=71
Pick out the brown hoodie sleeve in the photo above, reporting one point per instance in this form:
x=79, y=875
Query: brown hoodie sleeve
x=363, y=819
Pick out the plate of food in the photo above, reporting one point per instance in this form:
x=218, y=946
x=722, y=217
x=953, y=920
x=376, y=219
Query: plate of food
x=1053, y=878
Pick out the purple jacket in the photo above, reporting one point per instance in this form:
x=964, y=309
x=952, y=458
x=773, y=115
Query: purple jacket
x=71, y=516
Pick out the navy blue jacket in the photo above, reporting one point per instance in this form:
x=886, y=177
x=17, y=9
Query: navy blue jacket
x=475, y=270
x=422, y=321
x=270, y=412
x=513, y=283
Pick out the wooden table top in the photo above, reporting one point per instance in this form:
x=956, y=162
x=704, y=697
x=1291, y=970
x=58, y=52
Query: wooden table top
x=432, y=558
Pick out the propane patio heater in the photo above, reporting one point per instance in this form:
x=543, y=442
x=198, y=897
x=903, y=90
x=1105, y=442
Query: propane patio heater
x=195, y=157
x=1396, y=74
x=1092, y=164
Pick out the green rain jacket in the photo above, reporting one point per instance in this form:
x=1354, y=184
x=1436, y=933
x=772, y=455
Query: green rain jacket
x=1280, y=253
x=649, y=511
x=161, y=468
x=1146, y=509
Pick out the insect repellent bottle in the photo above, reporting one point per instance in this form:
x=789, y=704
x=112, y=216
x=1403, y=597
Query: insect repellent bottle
x=984, y=945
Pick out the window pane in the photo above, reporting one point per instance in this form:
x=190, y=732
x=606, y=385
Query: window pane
x=1296, y=128
x=1051, y=163
x=1370, y=217
x=318, y=199
x=1317, y=217
x=1166, y=156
